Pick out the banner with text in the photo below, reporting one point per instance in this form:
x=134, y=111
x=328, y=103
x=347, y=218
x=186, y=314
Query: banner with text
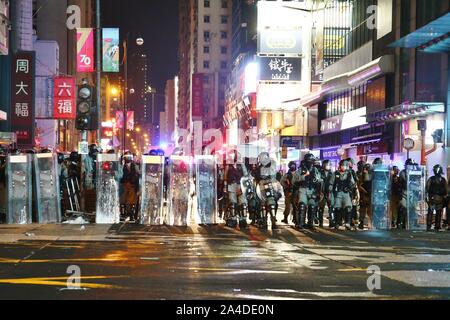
x=85, y=50
x=22, y=95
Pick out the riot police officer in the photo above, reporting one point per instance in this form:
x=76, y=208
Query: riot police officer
x=437, y=192
x=288, y=187
x=237, y=209
x=308, y=181
x=342, y=186
x=355, y=193
x=268, y=188
x=403, y=188
x=130, y=184
x=326, y=195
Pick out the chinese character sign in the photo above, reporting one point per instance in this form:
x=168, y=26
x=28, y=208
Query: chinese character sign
x=280, y=69
x=64, y=98
x=111, y=50
x=22, y=93
x=85, y=50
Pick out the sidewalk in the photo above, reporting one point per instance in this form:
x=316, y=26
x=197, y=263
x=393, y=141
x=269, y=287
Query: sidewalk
x=54, y=232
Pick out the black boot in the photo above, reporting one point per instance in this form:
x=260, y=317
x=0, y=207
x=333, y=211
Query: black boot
x=337, y=218
x=312, y=214
x=438, y=221
x=429, y=219
x=301, y=217
x=331, y=217
x=348, y=219
x=320, y=213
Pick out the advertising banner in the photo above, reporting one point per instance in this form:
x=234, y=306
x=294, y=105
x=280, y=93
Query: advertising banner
x=130, y=120
x=280, y=69
x=4, y=27
x=197, y=95
x=119, y=119
x=111, y=50
x=22, y=96
x=85, y=50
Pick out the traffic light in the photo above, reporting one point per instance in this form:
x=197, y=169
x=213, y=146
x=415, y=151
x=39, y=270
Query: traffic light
x=86, y=109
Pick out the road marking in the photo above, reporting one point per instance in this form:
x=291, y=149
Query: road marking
x=55, y=281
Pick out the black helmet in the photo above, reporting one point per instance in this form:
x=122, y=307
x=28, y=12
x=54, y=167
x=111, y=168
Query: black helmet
x=46, y=150
x=344, y=163
x=74, y=156
x=377, y=161
x=292, y=164
x=437, y=169
x=350, y=162
x=409, y=162
x=361, y=165
x=326, y=164
x=61, y=157
x=309, y=158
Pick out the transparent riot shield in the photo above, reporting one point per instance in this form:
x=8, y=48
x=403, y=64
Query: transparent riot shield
x=381, y=193
x=20, y=191
x=47, y=188
x=416, y=205
x=152, y=201
x=179, y=213
x=206, y=190
x=108, y=205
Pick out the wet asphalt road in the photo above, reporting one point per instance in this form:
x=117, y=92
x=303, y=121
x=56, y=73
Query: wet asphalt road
x=134, y=262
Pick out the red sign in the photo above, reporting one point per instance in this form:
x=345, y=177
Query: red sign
x=197, y=95
x=64, y=98
x=85, y=50
x=22, y=93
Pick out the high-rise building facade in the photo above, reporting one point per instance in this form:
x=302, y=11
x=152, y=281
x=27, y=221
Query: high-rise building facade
x=205, y=61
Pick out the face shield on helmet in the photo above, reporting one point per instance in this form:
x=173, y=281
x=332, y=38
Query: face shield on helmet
x=438, y=171
x=264, y=159
x=343, y=165
x=292, y=166
x=326, y=165
x=128, y=157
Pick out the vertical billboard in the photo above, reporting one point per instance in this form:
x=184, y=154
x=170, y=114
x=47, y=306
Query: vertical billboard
x=85, y=50
x=22, y=96
x=111, y=50
x=4, y=27
x=197, y=95
x=64, y=98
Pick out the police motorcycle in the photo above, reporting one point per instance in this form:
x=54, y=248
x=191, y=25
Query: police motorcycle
x=268, y=190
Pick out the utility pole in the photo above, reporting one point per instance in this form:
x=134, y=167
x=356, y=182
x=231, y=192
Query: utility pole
x=98, y=71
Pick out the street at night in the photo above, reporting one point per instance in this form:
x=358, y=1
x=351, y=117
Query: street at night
x=133, y=262
x=198, y=151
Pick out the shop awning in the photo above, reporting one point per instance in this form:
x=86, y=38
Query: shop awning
x=407, y=111
x=380, y=66
x=434, y=37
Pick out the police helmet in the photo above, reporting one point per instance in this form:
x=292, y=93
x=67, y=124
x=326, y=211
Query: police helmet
x=361, y=165
x=264, y=159
x=344, y=163
x=326, y=165
x=292, y=165
x=409, y=162
x=438, y=170
x=350, y=162
x=74, y=156
x=309, y=158
x=377, y=161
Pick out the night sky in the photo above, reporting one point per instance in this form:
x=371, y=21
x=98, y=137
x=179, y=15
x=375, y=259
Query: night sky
x=157, y=22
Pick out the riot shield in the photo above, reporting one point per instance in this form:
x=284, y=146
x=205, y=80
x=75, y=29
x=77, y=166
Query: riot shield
x=416, y=205
x=108, y=205
x=179, y=213
x=47, y=188
x=381, y=193
x=206, y=190
x=20, y=191
x=152, y=201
